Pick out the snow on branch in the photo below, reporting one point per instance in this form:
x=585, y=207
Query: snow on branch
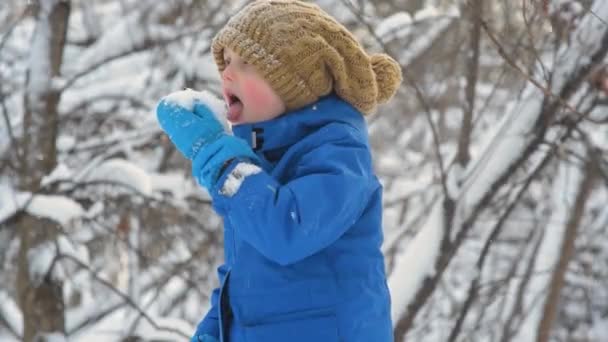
x=400, y=24
x=506, y=149
x=120, y=171
x=507, y=144
x=43, y=259
x=129, y=35
x=418, y=262
x=52, y=337
x=10, y=315
x=565, y=189
x=56, y=208
x=158, y=327
x=39, y=61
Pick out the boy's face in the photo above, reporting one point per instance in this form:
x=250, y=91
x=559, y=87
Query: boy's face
x=248, y=96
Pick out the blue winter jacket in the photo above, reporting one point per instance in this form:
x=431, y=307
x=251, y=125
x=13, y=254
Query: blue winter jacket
x=302, y=238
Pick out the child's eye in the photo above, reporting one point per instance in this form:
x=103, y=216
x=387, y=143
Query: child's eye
x=227, y=61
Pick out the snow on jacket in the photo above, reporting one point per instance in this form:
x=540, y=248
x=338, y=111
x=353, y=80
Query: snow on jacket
x=302, y=236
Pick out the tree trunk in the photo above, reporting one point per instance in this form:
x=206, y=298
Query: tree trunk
x=559, y=275
x=41, y=295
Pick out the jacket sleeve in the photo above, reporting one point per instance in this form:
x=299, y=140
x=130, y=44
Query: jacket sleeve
x=210, y=323
x=288, y=222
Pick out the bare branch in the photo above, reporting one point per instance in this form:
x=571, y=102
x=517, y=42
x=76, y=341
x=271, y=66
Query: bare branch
x=123, y=296
x=133, y=101
x=474, y=287
x=449, y=248
x=145, y=45
x=558, y=279
x=475, y=12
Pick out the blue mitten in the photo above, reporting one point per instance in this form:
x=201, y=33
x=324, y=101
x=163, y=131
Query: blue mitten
x=188, y=129
x=203, y=338
x=199, y=135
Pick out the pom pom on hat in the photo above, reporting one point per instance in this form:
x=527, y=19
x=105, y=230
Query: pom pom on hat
x=304, y=54
x=388, y=76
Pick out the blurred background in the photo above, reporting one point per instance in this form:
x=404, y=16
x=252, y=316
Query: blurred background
x=493, y=156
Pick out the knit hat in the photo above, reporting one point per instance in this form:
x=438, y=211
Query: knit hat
x=304, y=54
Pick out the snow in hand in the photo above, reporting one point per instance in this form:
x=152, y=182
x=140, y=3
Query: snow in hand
x=187, y=98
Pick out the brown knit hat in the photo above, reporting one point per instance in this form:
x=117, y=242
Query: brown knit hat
x=304, y=54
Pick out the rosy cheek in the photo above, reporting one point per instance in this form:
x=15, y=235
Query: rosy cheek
x=257, y=94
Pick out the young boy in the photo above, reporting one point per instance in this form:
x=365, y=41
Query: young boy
x=294, y=184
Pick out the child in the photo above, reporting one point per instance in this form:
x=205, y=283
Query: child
x=294, y=184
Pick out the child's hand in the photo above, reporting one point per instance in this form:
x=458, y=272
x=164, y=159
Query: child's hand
x=191, y=120
x=194, y=124
x=203, y=338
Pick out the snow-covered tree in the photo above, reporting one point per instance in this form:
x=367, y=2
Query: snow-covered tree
x=492, y=157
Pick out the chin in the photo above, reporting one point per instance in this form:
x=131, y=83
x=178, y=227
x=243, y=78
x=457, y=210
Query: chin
x=237, y=121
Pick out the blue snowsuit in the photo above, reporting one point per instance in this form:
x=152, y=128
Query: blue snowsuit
x=302, y=238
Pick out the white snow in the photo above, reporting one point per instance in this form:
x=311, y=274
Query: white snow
x=40, y=68
x=65, y=142
x=10, y=312
x=124, y=36
x=393, y=23
x=71, y=249
x=507, y=144
x=94, y=210
x=416, y=263
x=599, y=330
x=112, y=327
x=188, y=98
x=237, y=176
x=502, y=148
x=513, y=133
x=127, y=79
x=57, y=208
x=40, y=259
x=423, y=42
x=119, y=141
x=167, y=329
x=194, y=65
x=405, y=187
x=8, y=198
x=58, y=83
x=53, y=337
x=61, y=172
x=175, y=183
x=565, y=187
x=400, y=25
x=122, y=172
x=427, y=13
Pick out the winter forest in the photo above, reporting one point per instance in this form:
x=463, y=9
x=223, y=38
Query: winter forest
x=493, y=156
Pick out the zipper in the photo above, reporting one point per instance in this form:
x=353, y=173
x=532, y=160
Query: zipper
x=221, y=306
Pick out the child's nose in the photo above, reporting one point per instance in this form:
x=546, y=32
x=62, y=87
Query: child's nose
x=228, y=73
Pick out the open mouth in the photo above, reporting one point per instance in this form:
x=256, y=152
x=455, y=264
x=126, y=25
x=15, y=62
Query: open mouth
x=235, y=107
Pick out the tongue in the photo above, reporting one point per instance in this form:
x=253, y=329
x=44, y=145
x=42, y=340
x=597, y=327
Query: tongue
x=234, y=110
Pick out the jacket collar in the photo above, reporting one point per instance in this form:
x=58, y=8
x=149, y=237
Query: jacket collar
x=290, y=127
